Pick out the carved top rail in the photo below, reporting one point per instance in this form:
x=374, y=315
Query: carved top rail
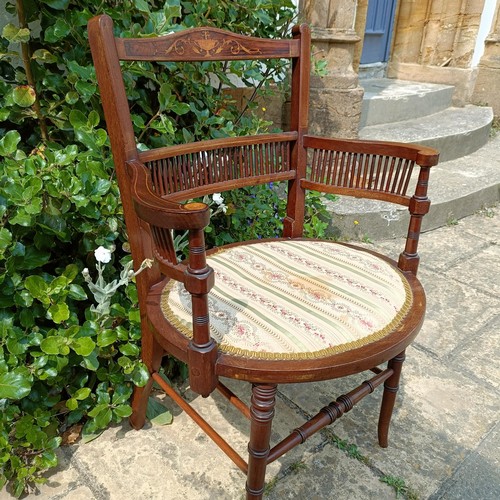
x=204, y=44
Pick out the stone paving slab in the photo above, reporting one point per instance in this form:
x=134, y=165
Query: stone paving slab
x=479, y=356
x=478, y=478
x=444, y=440
x=433, y=397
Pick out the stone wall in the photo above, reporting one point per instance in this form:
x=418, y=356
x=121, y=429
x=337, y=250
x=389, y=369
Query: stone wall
x=487, y=88
x=434, y=41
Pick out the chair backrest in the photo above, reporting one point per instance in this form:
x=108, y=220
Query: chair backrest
x=181, y=172
x=178, y=173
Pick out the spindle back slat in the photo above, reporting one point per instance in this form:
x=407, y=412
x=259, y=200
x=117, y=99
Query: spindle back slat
x=368, y=174
x=217, y=168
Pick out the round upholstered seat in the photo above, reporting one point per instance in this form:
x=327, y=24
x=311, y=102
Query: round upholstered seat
x=295, y=299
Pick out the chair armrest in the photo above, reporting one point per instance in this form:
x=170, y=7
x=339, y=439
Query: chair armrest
x=197, y=276
x=164, y=215
x=159, y=211
x=366, y=169
x=421, y=155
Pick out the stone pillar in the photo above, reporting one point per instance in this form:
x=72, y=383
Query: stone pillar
x=336, y=98
x=487, y=88
x=360, y=26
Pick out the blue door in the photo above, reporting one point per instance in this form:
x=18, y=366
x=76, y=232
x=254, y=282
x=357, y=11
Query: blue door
x=379, y=22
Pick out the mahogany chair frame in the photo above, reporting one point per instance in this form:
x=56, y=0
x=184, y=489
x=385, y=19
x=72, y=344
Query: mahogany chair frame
x=154, y=203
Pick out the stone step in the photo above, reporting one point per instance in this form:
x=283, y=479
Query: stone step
x=457, y=188
x=388, y=101
x=454, y=132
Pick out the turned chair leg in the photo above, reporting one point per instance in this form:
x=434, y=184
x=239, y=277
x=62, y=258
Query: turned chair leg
x=391, y=387
x=152, y=355
x=261, y=418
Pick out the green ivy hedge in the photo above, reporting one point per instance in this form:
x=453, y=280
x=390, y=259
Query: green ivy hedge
x=61, y=363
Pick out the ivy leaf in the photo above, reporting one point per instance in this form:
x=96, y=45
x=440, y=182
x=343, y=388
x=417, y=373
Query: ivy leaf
x=140, y=375
x=77, y=119
x=57, y=4
x=157, y=413
x=72, y=404
x=129, y=349
x=102, y=417
x=82, y=393
x=71, y=272
x=33, y=259
x=164, y=96
x=46, y=460
x=15, y=34
x=38, y=288
x=23, y=298
x=98, y=409
x=141, y=5
x=180, y=108
x=15, y=384
x=123, y=411
x=59, y=312
x=71, y=97
x=122, y=394
x=91, y=362
x=21, y=218
x=52, y=344
x=93, y=119
x=83, y=346
x=9, y=142
x=77, y=292
x=106, y=337
x=85, y=89
x=24, y=95
x=57, y=31
x=5, y=239
x=90, y=432
x=43, y=55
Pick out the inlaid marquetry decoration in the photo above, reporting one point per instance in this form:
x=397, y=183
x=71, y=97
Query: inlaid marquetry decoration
x=205, y=44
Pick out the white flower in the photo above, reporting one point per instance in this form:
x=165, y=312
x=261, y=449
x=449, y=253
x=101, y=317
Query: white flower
x=218, y=198
x=102, y=255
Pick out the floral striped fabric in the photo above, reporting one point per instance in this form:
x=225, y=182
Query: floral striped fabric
x=290, y=299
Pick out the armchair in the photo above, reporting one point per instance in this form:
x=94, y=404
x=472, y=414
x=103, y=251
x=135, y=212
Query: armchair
x=266, y=312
